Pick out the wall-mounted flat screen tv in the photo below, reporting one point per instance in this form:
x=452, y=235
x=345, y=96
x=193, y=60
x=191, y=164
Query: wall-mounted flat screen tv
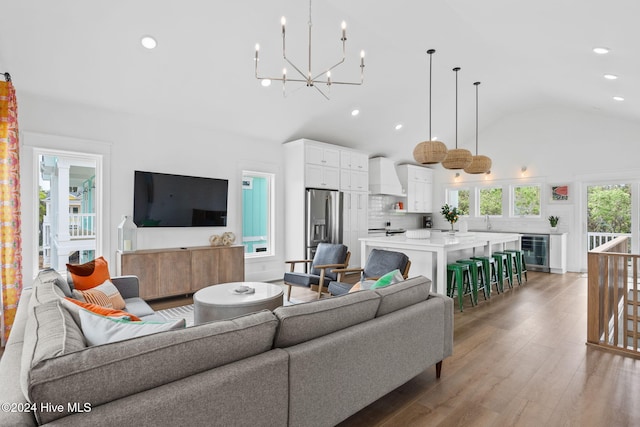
x=164, y=200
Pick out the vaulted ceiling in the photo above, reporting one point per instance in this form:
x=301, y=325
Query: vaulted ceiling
x=527, y=54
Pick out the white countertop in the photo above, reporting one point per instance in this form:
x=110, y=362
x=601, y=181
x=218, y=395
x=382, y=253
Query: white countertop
x=445, y=240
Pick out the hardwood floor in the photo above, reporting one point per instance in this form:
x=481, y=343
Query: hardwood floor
x=519, y=359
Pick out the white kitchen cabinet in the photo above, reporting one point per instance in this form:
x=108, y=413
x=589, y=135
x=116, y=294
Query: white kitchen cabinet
x=558, y=253
x=353, y=180
x=355, y=224
x=321, y=177
x=321, y=155
x=354, y=160
x=417, y=182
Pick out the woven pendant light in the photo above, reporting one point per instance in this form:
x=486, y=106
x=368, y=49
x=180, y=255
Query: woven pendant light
x=479, y=163
x=458, y=158
x=430, y=152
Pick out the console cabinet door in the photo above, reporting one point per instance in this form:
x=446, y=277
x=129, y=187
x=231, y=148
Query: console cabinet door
x=204, y=268
x=145, y=267
x=174, y=273
x=231, y=265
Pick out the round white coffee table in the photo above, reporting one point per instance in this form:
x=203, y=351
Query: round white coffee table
x=218, y=302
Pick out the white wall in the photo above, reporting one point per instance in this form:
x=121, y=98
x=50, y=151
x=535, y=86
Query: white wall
x=557, y=145
x=144, y=143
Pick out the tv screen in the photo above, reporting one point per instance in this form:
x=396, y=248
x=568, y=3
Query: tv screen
x=164, y=200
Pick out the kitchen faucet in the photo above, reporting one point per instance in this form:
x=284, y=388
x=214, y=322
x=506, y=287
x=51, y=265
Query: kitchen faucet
x=488, y=222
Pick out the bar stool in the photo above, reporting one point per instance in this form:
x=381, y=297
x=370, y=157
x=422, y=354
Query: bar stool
x=490, y=272
x=458, y=275
x=478, y=277
x=521, y=265
x=503, y=264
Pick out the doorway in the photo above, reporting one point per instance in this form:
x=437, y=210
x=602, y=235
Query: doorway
x=610, y=214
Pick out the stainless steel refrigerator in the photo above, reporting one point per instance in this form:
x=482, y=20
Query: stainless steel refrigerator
x=323, y=219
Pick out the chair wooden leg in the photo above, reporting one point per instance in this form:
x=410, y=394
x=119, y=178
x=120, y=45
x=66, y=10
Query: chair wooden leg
x=438, y=369
x=289, y=293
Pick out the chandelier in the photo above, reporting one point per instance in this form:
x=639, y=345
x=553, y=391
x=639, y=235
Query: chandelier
x=308, y=77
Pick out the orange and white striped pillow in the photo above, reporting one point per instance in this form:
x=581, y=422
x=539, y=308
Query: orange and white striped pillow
x=106, y=295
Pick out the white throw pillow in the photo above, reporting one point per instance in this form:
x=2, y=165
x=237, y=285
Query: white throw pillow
x=99, y=329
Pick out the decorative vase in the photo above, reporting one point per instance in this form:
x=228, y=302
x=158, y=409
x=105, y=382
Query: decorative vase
x=452, y=231
x=554, y=229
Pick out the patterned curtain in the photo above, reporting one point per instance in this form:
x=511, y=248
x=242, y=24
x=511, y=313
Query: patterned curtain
x=10, y=243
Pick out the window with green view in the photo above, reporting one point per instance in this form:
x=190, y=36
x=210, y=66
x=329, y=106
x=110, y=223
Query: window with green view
x=490, y=201
x=526, y=200
x=459, y=198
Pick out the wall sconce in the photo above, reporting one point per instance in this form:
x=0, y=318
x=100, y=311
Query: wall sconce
x=457, y=177
x=523, y=171
x=486, y=175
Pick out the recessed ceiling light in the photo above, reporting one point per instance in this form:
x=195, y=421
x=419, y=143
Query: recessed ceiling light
x=435, y=138
x=610, y=76
x=355, y=112
x=618, y=98
x=149, y=42
x=601, y=50
x=265, y=82
x=399, y=126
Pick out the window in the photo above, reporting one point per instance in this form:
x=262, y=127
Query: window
x=257, y=213
x=526, y=200
x=490, y=201
x=459, y=198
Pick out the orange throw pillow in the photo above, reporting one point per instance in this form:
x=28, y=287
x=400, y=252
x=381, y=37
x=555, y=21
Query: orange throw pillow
x=90, y=274
x=98, y=309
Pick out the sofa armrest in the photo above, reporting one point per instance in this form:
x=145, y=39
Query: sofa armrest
x=128, y=286
x=448, y=322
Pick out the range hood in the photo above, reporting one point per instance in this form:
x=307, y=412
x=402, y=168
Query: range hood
x=383, y=178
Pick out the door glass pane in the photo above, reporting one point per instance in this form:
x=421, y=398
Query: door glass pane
x=526, y=200
x=257, y=213
x=608, y=213
x=67, y=214
x=491, y=201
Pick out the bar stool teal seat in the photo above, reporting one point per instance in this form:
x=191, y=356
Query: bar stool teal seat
x=478, y=277
x=490, y=272
x=503, y=265
x=521, y=265
x=459, y=281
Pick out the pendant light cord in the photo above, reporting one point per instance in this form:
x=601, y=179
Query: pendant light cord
x=430, y=52
x=456, y=70
x=476, y=85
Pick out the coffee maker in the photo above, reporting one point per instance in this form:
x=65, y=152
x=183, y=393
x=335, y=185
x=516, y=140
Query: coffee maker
x=426, y=221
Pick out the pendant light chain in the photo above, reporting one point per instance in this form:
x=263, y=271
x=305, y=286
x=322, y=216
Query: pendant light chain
x=456, y=70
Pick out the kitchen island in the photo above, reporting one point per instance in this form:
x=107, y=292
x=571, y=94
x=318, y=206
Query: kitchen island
x=429, y=257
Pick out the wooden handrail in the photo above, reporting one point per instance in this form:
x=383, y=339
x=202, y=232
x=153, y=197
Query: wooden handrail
x=613, y=298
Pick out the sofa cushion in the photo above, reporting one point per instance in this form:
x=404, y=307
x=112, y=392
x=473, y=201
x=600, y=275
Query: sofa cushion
x=90, y=274
x=138, y=307
x=100, y=329
x=127, y=367
x=303, y=322
x=50, y=332
x=404, y=294
x=44, y=291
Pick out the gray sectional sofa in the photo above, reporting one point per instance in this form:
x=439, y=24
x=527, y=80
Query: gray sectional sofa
x=311, y=364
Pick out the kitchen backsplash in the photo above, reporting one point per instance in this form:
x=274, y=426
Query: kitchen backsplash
x=381, y=212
